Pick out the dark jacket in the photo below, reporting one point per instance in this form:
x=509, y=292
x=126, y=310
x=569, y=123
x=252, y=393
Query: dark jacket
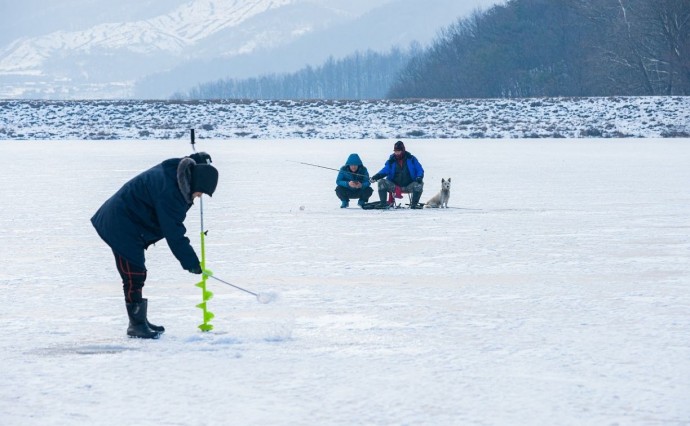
x=345, y=175
x=148, y=208
x=390, y=168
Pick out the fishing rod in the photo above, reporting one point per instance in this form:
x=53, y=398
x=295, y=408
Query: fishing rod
x=327, y=168
x=261, y=297
x=233, y=285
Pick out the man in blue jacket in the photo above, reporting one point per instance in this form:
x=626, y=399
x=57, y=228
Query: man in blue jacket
x=353, y=182
x=148, y=208
x=402, y=172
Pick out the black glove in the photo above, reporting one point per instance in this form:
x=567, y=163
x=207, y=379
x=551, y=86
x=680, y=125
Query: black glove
x=419, y=179
x=196, y=270
x=376, y=177
x=201, y=157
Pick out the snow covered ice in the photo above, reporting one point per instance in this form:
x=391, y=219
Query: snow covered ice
x=556, y=291
x=267, y=297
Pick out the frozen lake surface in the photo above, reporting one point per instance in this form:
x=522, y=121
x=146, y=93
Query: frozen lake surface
x=555, y=291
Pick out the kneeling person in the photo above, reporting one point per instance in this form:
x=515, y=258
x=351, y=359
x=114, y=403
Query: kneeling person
x=353, y=182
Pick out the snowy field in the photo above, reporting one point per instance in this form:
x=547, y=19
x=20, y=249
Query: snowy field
x=556, y=291
x=611, y=117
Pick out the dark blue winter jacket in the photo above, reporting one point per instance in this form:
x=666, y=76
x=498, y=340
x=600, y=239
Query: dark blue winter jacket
x=345, y=175
x=148, y=208
x=389, y=169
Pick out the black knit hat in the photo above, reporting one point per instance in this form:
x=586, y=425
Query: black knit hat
x=399, y=146
x=201, y=157
x=204, y=179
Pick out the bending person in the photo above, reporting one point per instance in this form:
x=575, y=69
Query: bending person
x=148, y=208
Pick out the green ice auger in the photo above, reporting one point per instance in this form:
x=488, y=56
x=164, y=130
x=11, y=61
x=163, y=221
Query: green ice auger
x=206, y=295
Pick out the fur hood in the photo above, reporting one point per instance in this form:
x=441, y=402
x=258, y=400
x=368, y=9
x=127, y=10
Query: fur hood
x=184, y=178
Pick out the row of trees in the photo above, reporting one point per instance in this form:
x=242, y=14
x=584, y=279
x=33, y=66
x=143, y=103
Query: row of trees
x=557, y=48
x=366, y=75
x=523, y=48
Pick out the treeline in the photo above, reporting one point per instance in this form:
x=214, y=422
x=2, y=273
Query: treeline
x=523, y=48
x=529, y=48
x=366, y=75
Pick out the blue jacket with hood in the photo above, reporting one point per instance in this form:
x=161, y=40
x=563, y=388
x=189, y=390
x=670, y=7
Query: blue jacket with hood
x=148, y=208
x=413, y=165
x=345, y=175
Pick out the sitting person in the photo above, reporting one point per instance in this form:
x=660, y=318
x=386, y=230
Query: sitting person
x=401, y=173
x=353, y=182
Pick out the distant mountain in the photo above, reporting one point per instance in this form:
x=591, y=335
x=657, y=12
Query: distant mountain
x=34, y=18
x=147, y=51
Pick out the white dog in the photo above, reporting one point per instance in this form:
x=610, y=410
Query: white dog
x=440, y=199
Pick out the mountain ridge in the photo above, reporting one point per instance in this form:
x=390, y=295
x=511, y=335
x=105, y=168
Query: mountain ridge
x=201, y=40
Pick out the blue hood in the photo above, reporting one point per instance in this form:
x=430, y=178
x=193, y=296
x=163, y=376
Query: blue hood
x=353, y=160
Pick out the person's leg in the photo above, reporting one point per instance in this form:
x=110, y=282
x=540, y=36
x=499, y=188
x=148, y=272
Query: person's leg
x=133, y=279
x=385, y=187
x=364, y=194
x=343, y=195
x=416, y=189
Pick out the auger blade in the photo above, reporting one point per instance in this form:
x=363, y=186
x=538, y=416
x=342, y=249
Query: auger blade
x=205, y=327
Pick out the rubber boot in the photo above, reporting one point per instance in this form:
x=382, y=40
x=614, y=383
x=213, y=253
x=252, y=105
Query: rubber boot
x=414, y=204
x=158, y=328
x=383, y=196
x=138, y=325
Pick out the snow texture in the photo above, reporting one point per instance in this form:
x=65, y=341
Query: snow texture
x=553, y=292
x=182, y=27
x=615, y=117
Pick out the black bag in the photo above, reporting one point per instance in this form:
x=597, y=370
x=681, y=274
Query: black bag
x=378, y=206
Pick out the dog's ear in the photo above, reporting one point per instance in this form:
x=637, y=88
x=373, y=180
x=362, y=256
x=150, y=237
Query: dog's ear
x=448, y=180
x=443, y=180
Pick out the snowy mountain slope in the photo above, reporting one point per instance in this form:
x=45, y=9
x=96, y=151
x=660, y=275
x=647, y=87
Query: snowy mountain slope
x=397, y=23
x=34, y=18
x=105, y=60
x=173, y=32
x=272, y=42
x=198, y=41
